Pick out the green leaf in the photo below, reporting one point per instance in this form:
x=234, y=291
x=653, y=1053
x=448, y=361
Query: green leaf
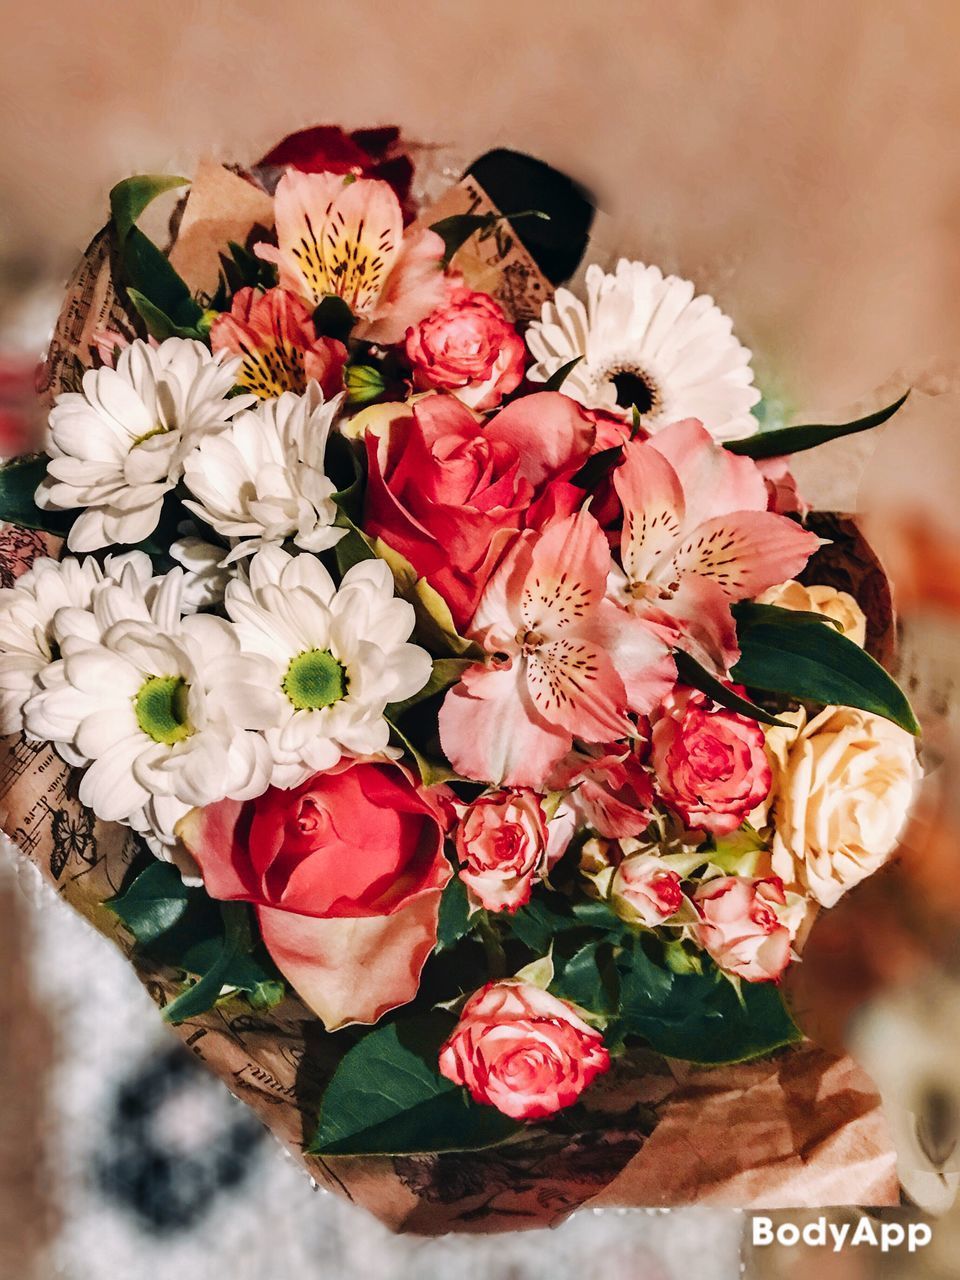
x=159, y=325
x=221, y=963
x=454, y=922
x=431, y=770
x=332, y=318
x=387, y=1097
x=797, y=655
x=559, y=376
x=435, y=630
x=18, y=484
x=773, y=444
x=129, y=198
x=598, y=467
x=548, y=915
x=155, y=902
x=699, y=1017
x=587, y=978
x=446, y=672
x=698, y=677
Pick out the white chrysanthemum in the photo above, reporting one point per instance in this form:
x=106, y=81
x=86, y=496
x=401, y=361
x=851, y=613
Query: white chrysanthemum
x=204, y=575
x=156, y=707
x=28, y=642
x=117, y=447
x=263, y=480
x=645, y=339
x=338, y=656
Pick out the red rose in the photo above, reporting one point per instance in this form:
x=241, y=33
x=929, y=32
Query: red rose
x=710, y=763
x=365, y=153
x=449, y=492
x=522, y=1050
x=740, y=928
x=469, y=347
x=345, y=872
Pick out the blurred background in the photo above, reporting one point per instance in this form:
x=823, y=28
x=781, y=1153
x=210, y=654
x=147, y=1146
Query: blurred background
x=798, y=162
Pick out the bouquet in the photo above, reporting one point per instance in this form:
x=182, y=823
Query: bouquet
x=432, y=678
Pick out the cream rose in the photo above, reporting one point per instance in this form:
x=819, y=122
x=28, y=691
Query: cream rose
x=843, y=783
x=839, y=606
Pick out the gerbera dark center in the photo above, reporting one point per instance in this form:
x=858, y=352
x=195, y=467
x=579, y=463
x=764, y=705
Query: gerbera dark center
x=161, y=709
x=633, y=389
x=314, y=679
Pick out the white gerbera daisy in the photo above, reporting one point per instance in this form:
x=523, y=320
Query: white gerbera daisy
x=156, y=707
x=28, y=642
x=644, y=339
x=338, y=656
x=262, y=480
x=117, y=447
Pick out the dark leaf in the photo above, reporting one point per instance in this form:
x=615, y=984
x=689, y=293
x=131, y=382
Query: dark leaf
x=18, y=484
x=559, y=376
x=598, y=467
x=387, y=1097
x=796, y=654
x=773, y=444
x=698, y=677
x=155, y=902
x=332, y=318
x=454, y=922
x=129, y=198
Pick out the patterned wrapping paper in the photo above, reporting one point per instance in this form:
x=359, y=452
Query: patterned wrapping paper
x=802, y=1129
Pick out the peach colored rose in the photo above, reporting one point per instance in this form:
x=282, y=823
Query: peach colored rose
x=710, y=763
x=740, y=928
x=501, y=842
x=523, y=1051
x=843, y=784
x=345, y=873
x=469, y=347
x=644, y=891
x=838, y=606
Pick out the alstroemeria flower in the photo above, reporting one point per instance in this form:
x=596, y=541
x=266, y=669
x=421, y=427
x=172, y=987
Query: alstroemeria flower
x=274, y=335
x=563, y=660
x=697, y=536
x=347, y=239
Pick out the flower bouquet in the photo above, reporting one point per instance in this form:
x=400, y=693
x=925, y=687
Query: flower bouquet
x=435, y=683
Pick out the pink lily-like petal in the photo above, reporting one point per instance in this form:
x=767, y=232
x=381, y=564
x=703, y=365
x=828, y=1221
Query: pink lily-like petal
x=696, y=618
x=567, y=576
x=416, y=287
x=491, y=730
x=575, y=685
x=744, y=553
x=640, y=653
x=715, y=481
x=654, y=511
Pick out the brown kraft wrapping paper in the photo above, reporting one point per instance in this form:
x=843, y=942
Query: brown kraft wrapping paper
x=801, y=1129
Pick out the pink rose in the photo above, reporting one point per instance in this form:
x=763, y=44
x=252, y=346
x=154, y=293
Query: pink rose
x=502, y=841
x=710, y=763
x=449, y=492
x=644, y=891
x=469, y=347
x=740, y=928
x=345, y=873
x=523, y=1051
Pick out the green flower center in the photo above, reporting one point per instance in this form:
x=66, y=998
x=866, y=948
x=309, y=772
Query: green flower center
x=314, y=679
x=161, y=709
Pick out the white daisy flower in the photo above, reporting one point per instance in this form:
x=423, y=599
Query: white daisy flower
x=262, y=480
x=28, y=640
x=156, y=707
x=116, y=447
x=205, y=576
x=337, y=656
x=645, y=339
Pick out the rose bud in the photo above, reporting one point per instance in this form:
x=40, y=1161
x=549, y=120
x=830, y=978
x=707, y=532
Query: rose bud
x=523, y=1051
x=501, y=842
x=469, y=347
x=740, y=928
x=644, y=891
x=711, y=766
